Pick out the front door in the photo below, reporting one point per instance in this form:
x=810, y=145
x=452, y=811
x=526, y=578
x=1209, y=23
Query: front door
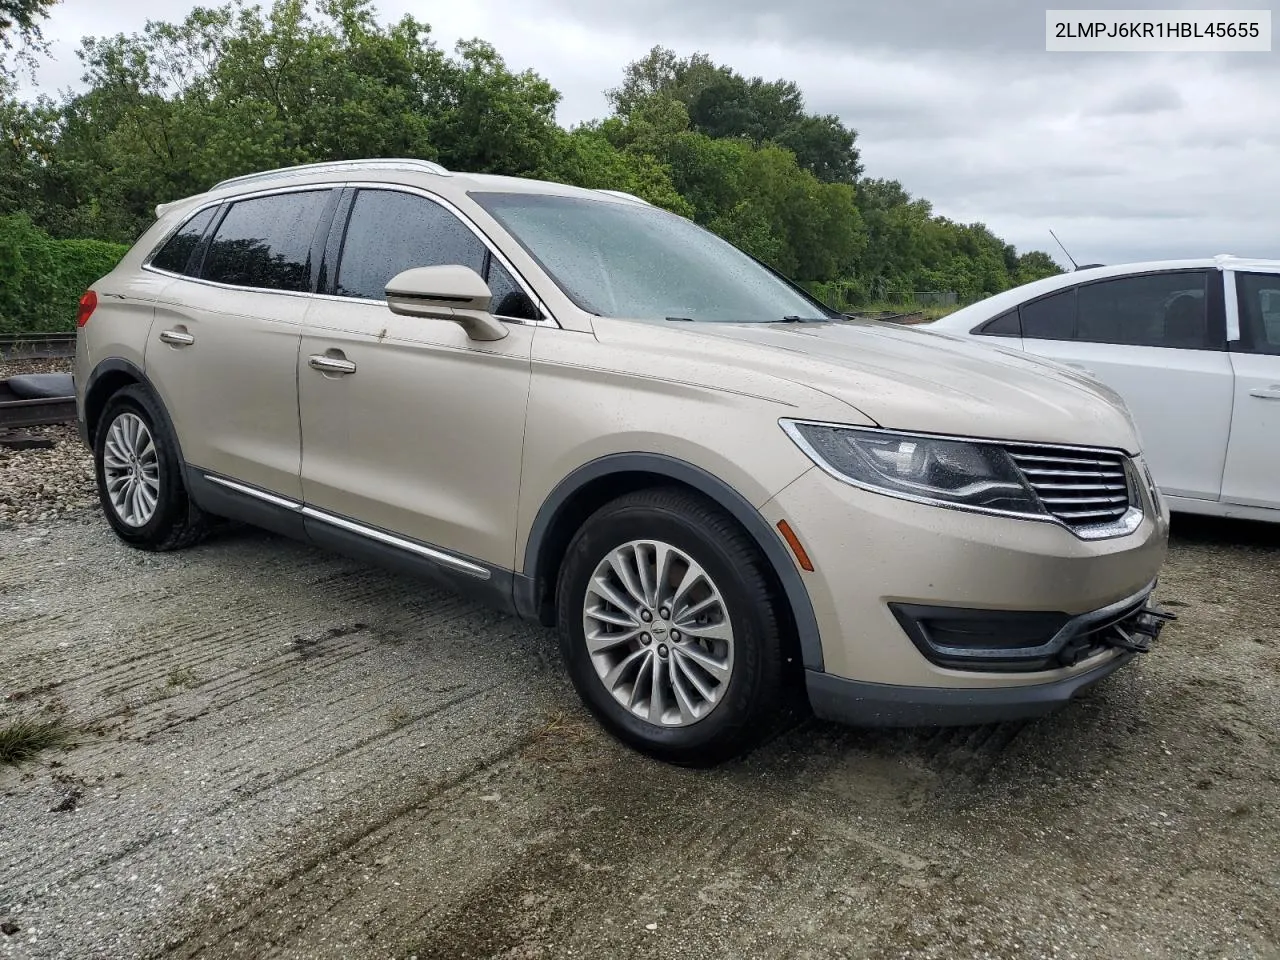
x=408, y=426
x=1252, y=476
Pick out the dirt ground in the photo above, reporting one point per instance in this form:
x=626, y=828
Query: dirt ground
x=284, y=753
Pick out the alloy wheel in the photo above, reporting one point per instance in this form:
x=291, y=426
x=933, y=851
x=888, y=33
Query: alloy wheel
x=658, y=632
x=132, y=470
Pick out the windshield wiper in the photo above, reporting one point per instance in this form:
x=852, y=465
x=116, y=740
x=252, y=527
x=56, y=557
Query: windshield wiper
x=682, y=319
x=794, y=319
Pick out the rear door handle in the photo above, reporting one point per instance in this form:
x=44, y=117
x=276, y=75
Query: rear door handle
x=1271, y=393
x=338, y=365
x=177, y=338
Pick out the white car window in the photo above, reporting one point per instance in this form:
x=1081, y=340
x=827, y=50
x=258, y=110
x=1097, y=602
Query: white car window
x=1259, y=312
x=1156, y=310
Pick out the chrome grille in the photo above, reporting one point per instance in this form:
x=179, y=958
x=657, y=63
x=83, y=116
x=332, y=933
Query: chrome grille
x=1082, y=488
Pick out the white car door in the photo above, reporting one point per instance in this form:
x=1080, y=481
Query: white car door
x=1157, y=339
x=1252, y=475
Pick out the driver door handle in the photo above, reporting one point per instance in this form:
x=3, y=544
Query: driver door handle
x=338, y=365
x=1271, y=393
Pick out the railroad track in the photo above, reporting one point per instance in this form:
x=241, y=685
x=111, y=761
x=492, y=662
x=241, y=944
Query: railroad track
x=37, y=346
x=18, y=409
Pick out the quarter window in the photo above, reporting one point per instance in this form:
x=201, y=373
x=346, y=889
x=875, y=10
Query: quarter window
x=1259, y=295
x=1157, y=310
x=175, y=255
x=1050, y=318
x=1005, y=325
x=508, y=299
x=265, y=242
x=390, y=232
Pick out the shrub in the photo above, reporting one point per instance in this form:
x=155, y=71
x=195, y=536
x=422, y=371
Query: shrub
x=41, y=279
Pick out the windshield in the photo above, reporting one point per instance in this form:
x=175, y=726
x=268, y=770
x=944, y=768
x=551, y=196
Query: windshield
x=636, y=261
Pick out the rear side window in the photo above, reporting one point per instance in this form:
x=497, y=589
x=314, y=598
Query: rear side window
x=1259, y=312
x=1050, y=318
x=390, y=232
x=1157, y=310
x=265, y=242
x=175, y=255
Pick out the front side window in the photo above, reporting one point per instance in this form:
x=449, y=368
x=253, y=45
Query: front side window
x=175, y=255
x=389, y=232
x=1157, y=310
x=631, y=260
x=1259, y=297
x=265, y=242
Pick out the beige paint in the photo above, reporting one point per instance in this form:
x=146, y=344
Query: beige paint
x=458, y=442
x=424, y=439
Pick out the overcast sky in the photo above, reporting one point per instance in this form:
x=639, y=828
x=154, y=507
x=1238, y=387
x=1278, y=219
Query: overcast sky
x=1125, y=156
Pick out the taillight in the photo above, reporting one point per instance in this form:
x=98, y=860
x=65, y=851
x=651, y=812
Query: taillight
x=88, y=303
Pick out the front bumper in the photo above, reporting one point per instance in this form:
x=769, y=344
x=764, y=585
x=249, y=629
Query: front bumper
x=881, y=564
x=889, y=705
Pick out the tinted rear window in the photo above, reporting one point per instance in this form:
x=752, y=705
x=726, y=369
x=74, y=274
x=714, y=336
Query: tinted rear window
x=1050, y=318
x=1157, y=310
x=265, y=242
x=176, y=253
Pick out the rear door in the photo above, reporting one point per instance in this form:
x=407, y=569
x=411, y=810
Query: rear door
x=1252, y=476
x=1158, y=340
x=224, y=341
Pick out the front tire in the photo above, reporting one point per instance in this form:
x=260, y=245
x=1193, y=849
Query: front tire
x=669, y=627
x=140, y=475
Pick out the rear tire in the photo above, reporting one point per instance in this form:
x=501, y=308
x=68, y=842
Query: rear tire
x=669, y=628
x=139, y=475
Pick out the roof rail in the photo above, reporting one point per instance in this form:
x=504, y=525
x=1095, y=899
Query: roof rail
x=625, y=196
x=337, y=166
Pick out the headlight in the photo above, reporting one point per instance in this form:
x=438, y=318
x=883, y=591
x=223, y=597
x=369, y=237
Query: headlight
x=955, y=473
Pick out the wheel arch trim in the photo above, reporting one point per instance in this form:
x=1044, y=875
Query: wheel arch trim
x=120, y=365
x=711, y=486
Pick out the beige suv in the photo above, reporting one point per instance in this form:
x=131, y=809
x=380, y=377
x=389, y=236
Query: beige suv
x=595, y=414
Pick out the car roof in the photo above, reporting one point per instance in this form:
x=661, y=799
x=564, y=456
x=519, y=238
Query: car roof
x=406, y=171
x=1008, y=299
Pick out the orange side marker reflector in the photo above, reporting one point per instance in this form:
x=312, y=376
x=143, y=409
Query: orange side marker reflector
x=793, y=542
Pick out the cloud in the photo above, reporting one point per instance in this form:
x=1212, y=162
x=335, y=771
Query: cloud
x=1126, y=156
x=1152, y=98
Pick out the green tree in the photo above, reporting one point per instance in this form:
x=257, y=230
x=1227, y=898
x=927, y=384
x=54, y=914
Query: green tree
x=1035, y=265
x=722, y=103
x=20, y=28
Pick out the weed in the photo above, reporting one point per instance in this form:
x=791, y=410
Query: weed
x=21, y=740
x=182, y=677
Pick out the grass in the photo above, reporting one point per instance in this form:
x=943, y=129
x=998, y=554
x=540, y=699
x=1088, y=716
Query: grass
x=21, y=740
x=181, y=677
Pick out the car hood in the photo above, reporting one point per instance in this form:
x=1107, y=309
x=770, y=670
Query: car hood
x=912, y=379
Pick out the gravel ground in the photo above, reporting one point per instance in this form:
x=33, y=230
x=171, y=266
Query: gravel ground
x=285, y=753
x=38, y=485
x=43, y=484
x=11, y=368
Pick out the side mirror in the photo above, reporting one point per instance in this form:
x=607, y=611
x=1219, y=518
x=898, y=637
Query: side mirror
x=454, y=293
